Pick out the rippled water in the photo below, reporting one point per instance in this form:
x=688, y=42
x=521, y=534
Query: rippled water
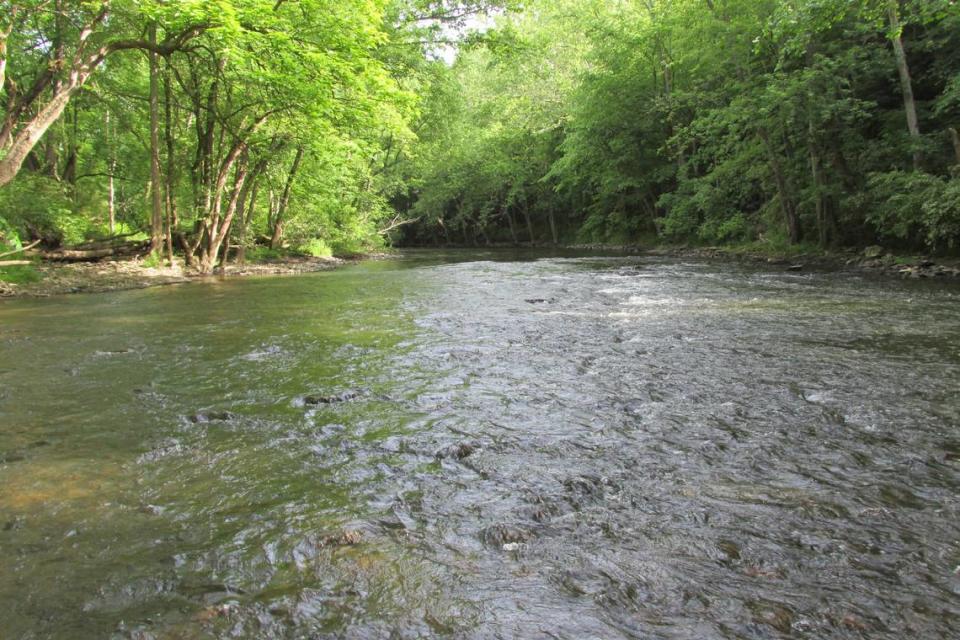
x=483, y=446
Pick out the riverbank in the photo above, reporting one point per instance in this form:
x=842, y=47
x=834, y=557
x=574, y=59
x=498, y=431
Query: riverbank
x=873, y=259
x=56, y=278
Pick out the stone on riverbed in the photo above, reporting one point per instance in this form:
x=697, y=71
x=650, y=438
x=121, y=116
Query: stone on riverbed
x=345, y=396
x=211, y=416
x=344, y=538
x=504, y=536
x=456, y=451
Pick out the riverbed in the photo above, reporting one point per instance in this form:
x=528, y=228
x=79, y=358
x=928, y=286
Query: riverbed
x=485, y=445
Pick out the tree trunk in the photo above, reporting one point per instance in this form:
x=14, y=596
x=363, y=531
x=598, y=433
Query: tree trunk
x=513, y=228
x=156, y=200
x=220, y=232
x=906, y=84
x=52, y=151
x=111, y=169
x=19, y=146
x=783, y=190
x=28, y=137
x=247, y=217
x=553, y=228
x=482, y=232
x=249, y=185
x=276, y=238
x=3, y=49
x=446, y=232
x=92, y=255
x=112, y=202
x=824, y=226
x=955, y=138
x=526, y=215
x=171, y=200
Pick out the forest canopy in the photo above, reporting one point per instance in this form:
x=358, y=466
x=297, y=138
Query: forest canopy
x=210, y=129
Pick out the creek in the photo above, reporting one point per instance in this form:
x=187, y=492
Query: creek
x=485, y=445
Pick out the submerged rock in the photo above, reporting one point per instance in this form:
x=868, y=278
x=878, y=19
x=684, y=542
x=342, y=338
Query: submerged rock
x=504, y=535
x=775, y=615
x=344, y=396
x=457, y=451
x=211, y=416
x=344, y=538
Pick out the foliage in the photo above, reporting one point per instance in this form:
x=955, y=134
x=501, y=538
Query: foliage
x=916, y=207
x=728, y=121
x=316, y=248
x=341, y=125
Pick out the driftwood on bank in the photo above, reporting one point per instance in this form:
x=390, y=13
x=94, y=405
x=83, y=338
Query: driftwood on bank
x=14, y=263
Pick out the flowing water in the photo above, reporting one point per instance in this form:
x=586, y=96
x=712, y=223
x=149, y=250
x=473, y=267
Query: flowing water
x=484, y=446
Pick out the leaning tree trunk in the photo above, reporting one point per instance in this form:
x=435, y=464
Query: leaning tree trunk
x=906, y=83
x=23, y=143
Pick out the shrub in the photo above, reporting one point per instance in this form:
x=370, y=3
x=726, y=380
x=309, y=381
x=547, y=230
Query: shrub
x=915, y=206
x=315, y=247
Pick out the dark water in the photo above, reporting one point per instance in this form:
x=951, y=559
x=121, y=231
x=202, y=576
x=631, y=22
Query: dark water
x=648, y=449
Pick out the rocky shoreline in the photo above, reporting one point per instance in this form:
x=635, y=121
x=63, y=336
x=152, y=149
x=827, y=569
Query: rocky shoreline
x=99, y=277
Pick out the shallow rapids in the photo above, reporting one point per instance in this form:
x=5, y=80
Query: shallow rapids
x=485, y=445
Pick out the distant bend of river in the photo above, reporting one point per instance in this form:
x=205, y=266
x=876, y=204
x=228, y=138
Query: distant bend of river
x=485, y=445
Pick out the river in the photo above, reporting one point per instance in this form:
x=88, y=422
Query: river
x=485, y=445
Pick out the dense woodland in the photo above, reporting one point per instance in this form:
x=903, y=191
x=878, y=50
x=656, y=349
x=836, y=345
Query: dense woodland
x=214, y=131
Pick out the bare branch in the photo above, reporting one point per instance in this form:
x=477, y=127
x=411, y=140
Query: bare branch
x=20, y=250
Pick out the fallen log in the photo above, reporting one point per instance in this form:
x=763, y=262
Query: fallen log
x=14, y=263
x=93, y=255
x=105, y=243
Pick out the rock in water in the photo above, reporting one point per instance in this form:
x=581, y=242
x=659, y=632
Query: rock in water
x=345, y=538
x=457, y=451
x=501, y=535
x=345, y=396
x=211, y=416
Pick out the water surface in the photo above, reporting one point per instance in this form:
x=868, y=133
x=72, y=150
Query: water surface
x=561, y=447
